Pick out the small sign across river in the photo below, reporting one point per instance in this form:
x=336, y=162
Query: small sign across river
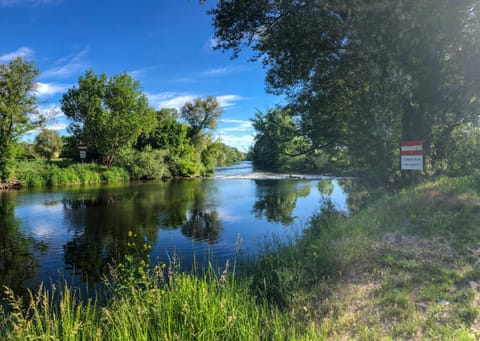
x=82, y=148
x=411, y=153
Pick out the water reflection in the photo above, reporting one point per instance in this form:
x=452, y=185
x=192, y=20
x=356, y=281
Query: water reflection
x=276, y=199
x=102, y=219
x=326, y=187
x=203, y=226
x=18, y=262
x=86, y=228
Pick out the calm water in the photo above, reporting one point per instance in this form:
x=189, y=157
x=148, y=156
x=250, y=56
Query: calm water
x=75, y=232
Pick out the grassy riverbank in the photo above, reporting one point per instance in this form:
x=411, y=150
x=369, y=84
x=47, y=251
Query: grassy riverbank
x=60, y=173
x=404, y=267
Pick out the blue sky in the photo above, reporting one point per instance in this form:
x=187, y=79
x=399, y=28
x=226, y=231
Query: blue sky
x=165, y=44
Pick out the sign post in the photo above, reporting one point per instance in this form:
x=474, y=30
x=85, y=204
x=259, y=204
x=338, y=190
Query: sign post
x=82, y=148
x=411, y=156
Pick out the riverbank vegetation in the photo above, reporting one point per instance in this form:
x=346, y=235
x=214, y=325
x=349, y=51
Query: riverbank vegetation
x=112, y=119
x=405, y=266
x=359, y=79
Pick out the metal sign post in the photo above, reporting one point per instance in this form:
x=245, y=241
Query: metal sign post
x=82, y=148
x=411, y=156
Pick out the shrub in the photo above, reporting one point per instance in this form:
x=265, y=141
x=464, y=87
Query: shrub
x=147, y=164
x=42, y=173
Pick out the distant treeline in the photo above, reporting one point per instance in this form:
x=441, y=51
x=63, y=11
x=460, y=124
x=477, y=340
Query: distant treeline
x=112, y=118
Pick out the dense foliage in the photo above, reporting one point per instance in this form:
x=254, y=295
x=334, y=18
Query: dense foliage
x=403, y=267
x=363, y=76
x=112, y=117
x=109, y=114
x=17, y=102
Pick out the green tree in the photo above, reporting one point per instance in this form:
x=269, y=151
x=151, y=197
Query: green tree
x=171, y=137
x=227, y=155
x=19, y=261
x=17, y=101
x=48, y=144
x=363, y=75
x=109, y=114
x=277, y=139
x=168, y=134
x=462, y=151
x=201, y=114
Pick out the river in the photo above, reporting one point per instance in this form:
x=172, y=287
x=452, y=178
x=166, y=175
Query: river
x=72, y=233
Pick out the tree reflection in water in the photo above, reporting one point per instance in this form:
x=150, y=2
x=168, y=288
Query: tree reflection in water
x=203, y=225
x=18, y=252
x=276, y=199
x=203, y=222
x=102, y=219
x=326, y=187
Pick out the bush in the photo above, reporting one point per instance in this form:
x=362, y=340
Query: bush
x=115, y=174
x=30, y=173
x=147, y=164
x=42, y=173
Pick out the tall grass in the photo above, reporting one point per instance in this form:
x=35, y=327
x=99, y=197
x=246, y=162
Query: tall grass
x=151, y=303
x=41, y=174
x=403, y=267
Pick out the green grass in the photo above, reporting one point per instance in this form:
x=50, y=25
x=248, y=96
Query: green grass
x=150, y=303
x=33, y=174
x=406, y=266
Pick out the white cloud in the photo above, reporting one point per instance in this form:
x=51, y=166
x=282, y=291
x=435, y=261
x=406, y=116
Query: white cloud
x=24, y=52
x=217, y=71
x=238, y=126
x=236, y=133
x=67, y=66
x=138, y=73
x=55, y=118
x=56, y=126
x=177, y=100
x=211, y=44
x=221, y=71
x=156, y=98
x=228, y=100
x=49, y=89
x=228, y=120
x=169, y=100
x=241, y=142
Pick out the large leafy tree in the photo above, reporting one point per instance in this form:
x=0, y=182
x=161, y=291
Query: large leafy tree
x=201, y=114
x=363, y=75
x=274, y=140
x=109, y=114
x=17, y=108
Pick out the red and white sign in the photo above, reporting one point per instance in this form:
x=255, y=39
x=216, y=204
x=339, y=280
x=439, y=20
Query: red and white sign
x=411, y=154
x=82, y=148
